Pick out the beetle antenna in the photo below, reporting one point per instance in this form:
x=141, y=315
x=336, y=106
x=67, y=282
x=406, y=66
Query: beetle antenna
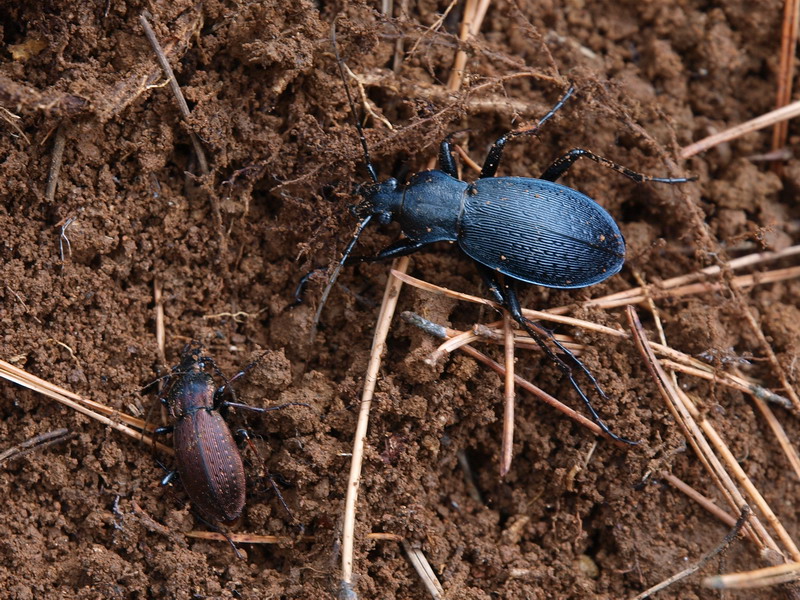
x=368, y=161
x=335, y=275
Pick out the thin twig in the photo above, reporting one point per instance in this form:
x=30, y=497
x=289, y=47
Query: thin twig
x=702, y=500
x=729, y=538
x=55, y=164
x=176, y=90
x=37, y=442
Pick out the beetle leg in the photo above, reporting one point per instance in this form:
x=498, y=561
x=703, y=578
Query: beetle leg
x=300, y=290
x=222, y=532
x=446, y=161
x=540, y=334
x=492, y=282
x=402, y=247
x=496, y=152
x=163, y=430
x=220, y=392
x=563, y=163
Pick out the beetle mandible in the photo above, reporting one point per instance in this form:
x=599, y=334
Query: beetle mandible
x=515, y=229
x=208, y=459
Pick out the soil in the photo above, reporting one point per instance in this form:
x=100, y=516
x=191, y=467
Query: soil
x=575, y=517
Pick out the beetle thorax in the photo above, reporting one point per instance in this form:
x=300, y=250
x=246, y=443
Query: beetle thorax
x=193, y=391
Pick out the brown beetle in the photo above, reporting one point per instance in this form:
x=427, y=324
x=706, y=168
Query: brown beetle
x=209, y=463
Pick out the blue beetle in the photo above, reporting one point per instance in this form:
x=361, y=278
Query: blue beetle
x=515, y=229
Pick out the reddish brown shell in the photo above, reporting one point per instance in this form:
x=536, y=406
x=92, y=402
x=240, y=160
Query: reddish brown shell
x=210, y=465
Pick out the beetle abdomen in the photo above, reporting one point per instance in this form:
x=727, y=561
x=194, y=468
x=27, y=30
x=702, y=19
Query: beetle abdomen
x=210, y=465
x=540, y=232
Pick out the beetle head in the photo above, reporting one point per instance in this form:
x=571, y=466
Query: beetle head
x=192, y=358
x=380, y=199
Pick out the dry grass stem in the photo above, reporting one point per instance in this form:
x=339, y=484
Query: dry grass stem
x=684, y=413
x=255, y=538
x=791, y=12
x=768, y=576
x=475, y=16
x=729, y=538
x=789, y=111
x=10, y=118
x=636, y=295
x=779, y=432
x=683, y=362
x=676, y=360
x=536, y=315
x=388, y=305
x=424, y=570
x=680, y=361
x=160, y=330
x=555, y=315
x=755, y=327
x=507, y=446
x=441, y=332
x=365, y=101
x=95, y=410
x=731, y=381
x=467, y=160
x=741, y=476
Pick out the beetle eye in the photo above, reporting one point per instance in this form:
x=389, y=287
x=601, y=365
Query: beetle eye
x=385, y=218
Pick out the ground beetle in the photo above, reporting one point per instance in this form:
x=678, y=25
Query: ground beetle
x=515, y=229
x=209, y=463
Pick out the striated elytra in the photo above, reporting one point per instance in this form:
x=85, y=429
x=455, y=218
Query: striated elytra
x=209, y=463
x=532, y=230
